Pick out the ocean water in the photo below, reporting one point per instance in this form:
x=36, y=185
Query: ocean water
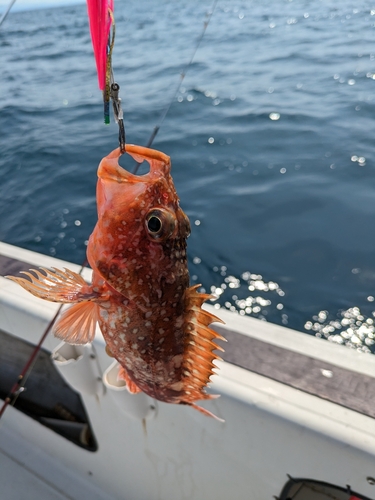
x=271, y=138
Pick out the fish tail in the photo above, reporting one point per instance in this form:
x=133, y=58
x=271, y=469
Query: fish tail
x=55, y=285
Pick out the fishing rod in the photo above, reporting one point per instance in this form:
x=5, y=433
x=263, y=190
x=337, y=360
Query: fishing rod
x=19, y=386
x=182, y=76
x=3, y=17
x=110, y=92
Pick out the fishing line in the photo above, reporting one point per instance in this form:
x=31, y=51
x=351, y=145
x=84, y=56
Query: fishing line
x=7, y=11
x=112, y=90
x=109, y=72
x=182, y=76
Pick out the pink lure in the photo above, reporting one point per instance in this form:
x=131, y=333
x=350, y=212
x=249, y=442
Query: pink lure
x=100, y=25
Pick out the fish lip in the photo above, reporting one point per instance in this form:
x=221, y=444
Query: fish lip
x=141, y=153
x=145, y=154
x=109, y=168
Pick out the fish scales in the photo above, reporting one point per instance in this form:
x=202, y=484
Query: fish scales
x=151, y=320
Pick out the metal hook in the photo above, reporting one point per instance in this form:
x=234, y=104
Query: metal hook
x=118, y=114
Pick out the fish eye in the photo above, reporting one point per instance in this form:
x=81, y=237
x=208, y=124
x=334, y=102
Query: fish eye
x=154, y=224
x=160, y=223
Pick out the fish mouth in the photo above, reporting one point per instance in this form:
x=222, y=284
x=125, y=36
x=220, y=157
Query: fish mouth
x=140, y=153
x=109, y=168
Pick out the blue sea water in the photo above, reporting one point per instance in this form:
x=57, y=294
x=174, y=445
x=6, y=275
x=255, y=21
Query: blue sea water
x=271, y=138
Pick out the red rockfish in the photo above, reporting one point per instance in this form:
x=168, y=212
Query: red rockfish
x=151, y=320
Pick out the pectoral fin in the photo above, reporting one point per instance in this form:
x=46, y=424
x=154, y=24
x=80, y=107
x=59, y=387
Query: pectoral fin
x=77, y=324
x=56, y=285
x=109, y=352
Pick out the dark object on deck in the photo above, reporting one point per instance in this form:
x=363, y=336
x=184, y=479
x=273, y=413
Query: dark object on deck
x=46, y=397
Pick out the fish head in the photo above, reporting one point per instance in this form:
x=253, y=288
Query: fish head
x=139, y=240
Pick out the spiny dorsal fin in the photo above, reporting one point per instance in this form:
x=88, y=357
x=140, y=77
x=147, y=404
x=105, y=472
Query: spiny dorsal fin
x=199, y=358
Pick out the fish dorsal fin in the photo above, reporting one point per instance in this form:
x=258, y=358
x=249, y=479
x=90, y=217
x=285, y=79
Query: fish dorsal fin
x=77, y=324
x=199, y=356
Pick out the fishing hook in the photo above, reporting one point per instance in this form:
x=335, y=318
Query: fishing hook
x=112, y=89
x=118, y=114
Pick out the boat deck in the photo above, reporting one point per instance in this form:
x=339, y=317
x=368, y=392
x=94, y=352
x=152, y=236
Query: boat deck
x=29, y=473
x=293, y=405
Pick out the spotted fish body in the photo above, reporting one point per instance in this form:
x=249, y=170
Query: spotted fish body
x=152, y=322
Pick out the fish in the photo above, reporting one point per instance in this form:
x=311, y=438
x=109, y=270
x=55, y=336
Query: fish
x=152, y=321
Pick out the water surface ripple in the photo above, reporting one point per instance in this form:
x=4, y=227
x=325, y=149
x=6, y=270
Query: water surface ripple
x=271, y=137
